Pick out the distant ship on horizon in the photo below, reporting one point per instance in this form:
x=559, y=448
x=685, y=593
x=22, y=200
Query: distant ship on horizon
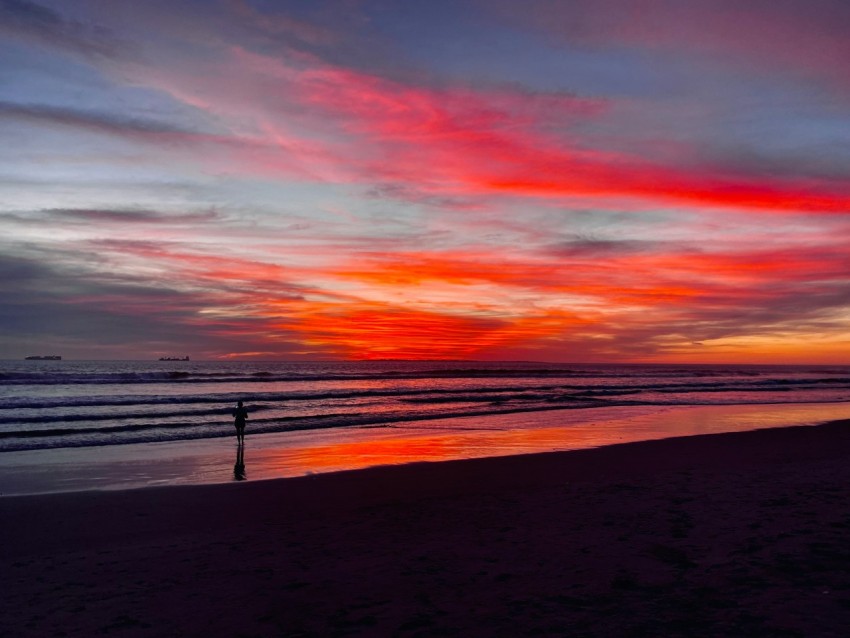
x=49, y=357
x=186, y=358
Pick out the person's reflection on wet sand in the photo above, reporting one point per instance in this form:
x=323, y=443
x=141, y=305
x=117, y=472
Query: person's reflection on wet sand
x=239, y=467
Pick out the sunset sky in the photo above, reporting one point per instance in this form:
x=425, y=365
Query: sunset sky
x=573, y=180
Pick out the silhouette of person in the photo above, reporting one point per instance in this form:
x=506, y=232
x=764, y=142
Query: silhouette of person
x=241, y=415
x=239, y=468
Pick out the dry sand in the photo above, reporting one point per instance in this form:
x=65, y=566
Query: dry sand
x=744, y=534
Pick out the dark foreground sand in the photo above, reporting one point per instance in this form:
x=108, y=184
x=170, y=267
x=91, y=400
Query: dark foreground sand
x=744, y=534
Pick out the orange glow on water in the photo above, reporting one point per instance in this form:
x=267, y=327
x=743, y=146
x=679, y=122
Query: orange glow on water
x=413, y=444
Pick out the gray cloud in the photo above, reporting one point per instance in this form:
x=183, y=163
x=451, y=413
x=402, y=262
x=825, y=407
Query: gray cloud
x=132, y=216
x=406, y=192
x=56, y=303
x=34, y=22
x=829, y=160
x=588, y=247
x=90, y=120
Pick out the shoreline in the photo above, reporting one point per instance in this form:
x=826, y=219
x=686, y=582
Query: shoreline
x=300, y=453
x=720, y=534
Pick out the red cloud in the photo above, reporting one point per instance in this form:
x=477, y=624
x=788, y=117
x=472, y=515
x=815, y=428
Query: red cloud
x=465, y=142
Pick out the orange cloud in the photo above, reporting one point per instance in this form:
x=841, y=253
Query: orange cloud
x=371, y=330
x=578, y=299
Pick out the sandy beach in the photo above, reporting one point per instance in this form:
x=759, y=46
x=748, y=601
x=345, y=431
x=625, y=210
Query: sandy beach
x=717, y=535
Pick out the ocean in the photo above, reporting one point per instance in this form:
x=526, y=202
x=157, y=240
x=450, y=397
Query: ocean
x=64, y=404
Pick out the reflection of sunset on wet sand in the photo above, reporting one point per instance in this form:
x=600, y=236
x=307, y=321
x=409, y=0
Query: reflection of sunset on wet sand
x=517, y=434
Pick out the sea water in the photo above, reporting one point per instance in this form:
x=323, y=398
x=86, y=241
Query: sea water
x=64, y=404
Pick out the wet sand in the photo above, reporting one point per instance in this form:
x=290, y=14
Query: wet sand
x=742, y=534
x=299, y=453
